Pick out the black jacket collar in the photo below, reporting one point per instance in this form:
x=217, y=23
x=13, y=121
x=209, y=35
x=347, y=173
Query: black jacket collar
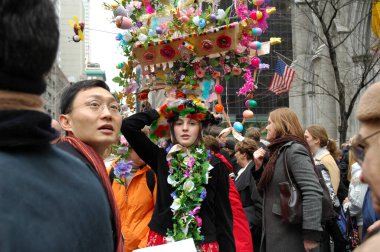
x=25, y=128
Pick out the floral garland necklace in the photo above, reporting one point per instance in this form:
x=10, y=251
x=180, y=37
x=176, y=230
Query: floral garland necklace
x=188, y=173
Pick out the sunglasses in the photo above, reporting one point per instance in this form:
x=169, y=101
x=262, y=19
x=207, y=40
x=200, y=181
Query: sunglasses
x=358, y=147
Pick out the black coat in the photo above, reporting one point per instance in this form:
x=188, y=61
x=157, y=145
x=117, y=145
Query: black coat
x=50, y=201
x=250, y=198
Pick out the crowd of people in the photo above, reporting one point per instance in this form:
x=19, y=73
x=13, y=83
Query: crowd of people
x=105, y=184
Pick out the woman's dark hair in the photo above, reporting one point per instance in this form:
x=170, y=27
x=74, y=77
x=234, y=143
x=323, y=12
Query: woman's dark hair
x=71, y=92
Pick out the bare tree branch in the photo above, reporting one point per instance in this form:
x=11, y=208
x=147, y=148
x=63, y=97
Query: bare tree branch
x=350, y=32
x=327, y=12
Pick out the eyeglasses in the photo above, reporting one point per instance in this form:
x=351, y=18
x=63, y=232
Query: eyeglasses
x=98, y=107
x=358, y=149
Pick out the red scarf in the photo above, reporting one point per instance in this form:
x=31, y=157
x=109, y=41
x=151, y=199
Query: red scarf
x=97, y=163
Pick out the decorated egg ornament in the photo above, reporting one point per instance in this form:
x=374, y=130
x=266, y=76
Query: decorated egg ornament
x=238, y=126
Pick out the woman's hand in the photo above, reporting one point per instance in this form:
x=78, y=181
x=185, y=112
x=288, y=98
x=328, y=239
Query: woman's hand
x=309, y=245
x=258, y=157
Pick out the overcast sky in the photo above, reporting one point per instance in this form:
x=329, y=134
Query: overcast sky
x=104, y=48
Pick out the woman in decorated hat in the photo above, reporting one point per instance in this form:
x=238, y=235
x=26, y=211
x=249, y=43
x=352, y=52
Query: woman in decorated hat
x=192, y=196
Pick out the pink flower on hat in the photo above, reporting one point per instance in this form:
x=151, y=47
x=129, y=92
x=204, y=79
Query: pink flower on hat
x=200, y=73
x=236, y=70
x=227, y=69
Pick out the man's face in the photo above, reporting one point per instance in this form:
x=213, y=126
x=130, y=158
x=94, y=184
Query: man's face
x=94, y=119
x=371, y=163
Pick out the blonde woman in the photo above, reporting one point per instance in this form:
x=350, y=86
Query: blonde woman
x=324, y=150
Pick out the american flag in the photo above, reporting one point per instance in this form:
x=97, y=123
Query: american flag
x=282, y=79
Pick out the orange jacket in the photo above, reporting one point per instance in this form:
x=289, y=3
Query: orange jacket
x=136, y=204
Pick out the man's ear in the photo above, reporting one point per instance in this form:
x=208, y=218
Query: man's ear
x=65, y=122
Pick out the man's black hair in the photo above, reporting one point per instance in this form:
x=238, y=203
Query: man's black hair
x=71, y=92
x=29, y=38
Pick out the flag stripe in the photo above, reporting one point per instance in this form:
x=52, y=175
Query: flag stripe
x=282, y=78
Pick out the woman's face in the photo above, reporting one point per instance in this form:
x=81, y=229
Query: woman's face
x=186, y=131
x=271, y=132
x=312, y=142
x=240, y=157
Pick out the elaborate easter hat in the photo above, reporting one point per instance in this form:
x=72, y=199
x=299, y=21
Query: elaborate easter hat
x=190, y=46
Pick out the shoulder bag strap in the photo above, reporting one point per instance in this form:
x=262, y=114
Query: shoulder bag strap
x=286, y=170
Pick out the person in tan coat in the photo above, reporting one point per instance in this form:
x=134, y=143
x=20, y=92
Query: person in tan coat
x=324, y=150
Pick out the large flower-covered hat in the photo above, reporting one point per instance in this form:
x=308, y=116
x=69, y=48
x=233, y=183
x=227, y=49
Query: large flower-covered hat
x=190, y=46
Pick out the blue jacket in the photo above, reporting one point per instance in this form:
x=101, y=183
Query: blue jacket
x=369, y=214
x=49, y=200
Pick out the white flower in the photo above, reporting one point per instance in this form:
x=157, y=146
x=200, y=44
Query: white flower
x=142, y=37
x=130, y=8
x=188, y=186
x=199, y=150
x=176, y=204
x=169, y=239
x=196, y=20
x=128, y=36
x=171, y=181
x=221, y=14
x=185, y=229
x=186, y=160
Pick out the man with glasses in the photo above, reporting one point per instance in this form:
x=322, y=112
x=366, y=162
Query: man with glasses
x=366, y=149
x=91, y=117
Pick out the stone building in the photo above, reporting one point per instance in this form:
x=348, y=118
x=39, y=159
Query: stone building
x=314, y=84
x=56, y=83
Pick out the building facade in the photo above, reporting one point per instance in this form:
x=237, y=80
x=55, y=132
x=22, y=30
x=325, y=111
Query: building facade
x=314, y=85
x=56, y=83
x=72, y=56
x=94, y=72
